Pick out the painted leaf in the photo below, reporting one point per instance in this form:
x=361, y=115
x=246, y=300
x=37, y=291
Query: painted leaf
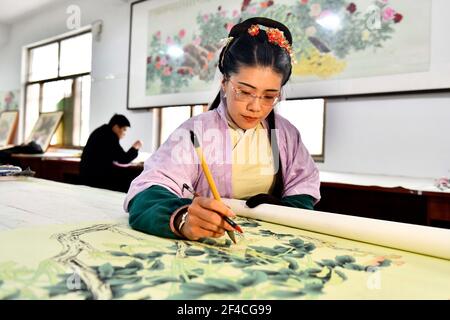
x=253, y=279
x=106, y=270
x=193, y=252
x=157, y=265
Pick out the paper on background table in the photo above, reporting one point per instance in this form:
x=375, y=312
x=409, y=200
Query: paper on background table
x=417, y=185
x=27, y=202
x=414, y=238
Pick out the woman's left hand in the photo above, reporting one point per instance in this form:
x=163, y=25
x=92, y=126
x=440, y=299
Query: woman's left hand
x=262, y=198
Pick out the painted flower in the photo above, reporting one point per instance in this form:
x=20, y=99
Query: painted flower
x=253, y=10
x=315, y=10
x=205, y=18
x=163, y=61
x=197, y=40
x=376, y=261
x=167, y=71
x=169, y=40
x=149, y=60
x=351, y=8
x=304, y=2
x=310, y=31
x=326, y=13
x=185, y=70
x=388, y=14
x=245, y=5
x=365, y=35
x=235, y=13
x=9, y=97
x=266, y=4
x=182, y=33
x=398, y=17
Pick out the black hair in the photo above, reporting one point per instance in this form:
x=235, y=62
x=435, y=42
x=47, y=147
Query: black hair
x=120, y=120
x=251, y=51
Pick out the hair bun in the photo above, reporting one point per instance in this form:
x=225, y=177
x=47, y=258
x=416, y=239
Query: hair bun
x=242, y=27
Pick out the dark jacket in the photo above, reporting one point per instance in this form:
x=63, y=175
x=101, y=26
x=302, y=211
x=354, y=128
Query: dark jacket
x=102, y=148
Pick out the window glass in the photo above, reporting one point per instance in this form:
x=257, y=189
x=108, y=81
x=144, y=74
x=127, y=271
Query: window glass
x=43, y=62
x=76, y=55
x=307, y=116
x=172, y=118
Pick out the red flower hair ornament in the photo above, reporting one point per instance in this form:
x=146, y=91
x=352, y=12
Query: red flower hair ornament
x=274, y=36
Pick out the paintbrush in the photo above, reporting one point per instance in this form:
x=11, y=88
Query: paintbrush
x=212, y=184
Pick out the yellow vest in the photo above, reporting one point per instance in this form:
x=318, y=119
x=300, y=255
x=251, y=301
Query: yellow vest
x=252, y=161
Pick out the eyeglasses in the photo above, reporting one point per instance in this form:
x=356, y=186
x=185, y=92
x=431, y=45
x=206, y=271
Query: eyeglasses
x=245, y=96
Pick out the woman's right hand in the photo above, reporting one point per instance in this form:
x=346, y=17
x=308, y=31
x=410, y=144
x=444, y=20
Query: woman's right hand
x=204, y=219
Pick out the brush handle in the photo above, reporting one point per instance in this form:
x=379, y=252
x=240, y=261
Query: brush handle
x=209, y=178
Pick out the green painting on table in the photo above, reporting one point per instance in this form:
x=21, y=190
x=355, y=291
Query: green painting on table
x=111, y=261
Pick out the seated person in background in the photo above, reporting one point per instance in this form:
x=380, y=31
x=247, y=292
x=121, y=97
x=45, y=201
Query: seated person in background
x=102, y=148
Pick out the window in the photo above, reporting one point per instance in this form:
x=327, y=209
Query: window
x=59, y=79
x=307, y=115
x=172, y=117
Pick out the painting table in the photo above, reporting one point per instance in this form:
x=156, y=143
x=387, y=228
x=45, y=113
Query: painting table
x=60, y=241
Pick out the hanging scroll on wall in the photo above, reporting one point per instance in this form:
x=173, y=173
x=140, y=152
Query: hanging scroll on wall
x=342, y=48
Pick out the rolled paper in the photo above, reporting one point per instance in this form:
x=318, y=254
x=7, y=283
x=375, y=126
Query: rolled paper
x=413, y=238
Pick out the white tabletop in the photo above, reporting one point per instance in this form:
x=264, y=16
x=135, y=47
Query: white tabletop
x=25, y=202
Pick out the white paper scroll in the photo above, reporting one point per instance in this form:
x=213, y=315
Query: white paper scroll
x=414, y=238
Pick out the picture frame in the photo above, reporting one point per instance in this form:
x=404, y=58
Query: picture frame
x=9, y=100
x=45, y=128
x=341, y=48
x=8, y=126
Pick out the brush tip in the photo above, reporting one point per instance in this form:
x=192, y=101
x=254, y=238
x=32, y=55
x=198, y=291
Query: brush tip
x=194, y=139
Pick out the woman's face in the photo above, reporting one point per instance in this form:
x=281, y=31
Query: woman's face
x=251, y=95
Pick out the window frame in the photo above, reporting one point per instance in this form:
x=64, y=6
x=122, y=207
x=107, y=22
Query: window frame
x=26, y=62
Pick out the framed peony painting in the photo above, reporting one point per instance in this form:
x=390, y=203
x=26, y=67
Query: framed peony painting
x=8, y=125
x=45, y=128
x=341, y=48
x=9, y=100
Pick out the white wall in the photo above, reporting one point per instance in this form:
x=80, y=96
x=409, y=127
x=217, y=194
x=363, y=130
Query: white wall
x=109, y=64
x=393, y=135
x=403, y=135
x=4, y=34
